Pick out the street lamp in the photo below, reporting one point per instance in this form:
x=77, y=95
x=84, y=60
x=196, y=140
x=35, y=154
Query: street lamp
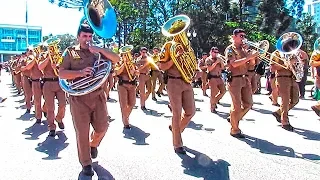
x=194, y=34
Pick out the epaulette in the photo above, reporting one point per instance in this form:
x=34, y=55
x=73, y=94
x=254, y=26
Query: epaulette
x=230, y=51
x=71, y=52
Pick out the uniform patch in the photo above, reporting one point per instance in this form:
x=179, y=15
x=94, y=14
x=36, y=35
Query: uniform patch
x=230, y=52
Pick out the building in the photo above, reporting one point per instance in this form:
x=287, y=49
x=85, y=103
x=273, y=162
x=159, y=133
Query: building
x=314, y=10
x=13, y=39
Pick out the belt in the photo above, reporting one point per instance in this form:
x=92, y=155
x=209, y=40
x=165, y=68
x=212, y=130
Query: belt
x=241, y=75
x=35, y=80
x=213, y=76
x=172, y=77
x=50, y=79
x=288, y=76
x=251, y=70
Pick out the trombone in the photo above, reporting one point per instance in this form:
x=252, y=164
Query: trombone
x=287, y=45
x=263, y=47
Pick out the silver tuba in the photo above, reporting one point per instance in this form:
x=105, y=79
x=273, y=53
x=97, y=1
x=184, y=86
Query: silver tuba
x=288, y=45
x=104, y=25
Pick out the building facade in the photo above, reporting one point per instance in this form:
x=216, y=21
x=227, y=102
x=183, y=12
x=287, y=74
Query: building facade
x=13, y=39
x=314, y=10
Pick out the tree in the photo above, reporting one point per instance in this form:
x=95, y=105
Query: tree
x=306, y=27
x=66, y=40
x=274, y=17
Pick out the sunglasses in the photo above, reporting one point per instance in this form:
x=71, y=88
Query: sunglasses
x=243, y=36
x=144, y=52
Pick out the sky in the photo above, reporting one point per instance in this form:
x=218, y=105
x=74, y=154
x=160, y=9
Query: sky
x=53, y=19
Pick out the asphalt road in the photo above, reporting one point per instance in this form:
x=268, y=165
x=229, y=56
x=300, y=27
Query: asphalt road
x=146, y=152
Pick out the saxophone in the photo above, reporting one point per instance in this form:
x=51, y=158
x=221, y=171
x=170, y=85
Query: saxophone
x=186, y=63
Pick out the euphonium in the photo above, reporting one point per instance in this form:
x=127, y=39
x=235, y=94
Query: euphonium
x=38, y=51
x=127, y=60
x=53, y=52
x=288, y=45
x=186, y=63
x=100, y=15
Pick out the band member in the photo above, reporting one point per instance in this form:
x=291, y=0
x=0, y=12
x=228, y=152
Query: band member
x=126, y=89
x=302, y=84
x=315, y=63
x=17, y=74
x=36, y=76
x=251, y=72
x=287, y=87
x=52, y=89
x=274, y=90
x=238, y=82
x=90, y=108
x=203, y=68
x=156, y=75
x=144, y=77
x=26, y=81
x=215, y=65
x=181, y=95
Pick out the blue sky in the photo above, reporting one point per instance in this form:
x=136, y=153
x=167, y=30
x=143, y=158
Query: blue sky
x=52, y=18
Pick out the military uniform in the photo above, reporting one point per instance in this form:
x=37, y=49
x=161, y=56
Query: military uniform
x=36, y=76
x=239, y=87
x=288, y=91
x=27, y=85
x=156, y=74
x=52, y=89
x=216, y=83
x=181, y=96
x=87, y=109
x=127, y=93
x=144, y=81
x=315, y=58
x=204, y=79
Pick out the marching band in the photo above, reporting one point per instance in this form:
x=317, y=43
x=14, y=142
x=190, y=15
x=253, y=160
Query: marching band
x=83, y=75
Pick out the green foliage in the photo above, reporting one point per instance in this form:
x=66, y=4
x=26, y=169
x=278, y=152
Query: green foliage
x=66, y=40
x=306, y=27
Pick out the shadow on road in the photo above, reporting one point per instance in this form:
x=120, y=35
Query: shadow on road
x=195, y=126
x=52, y=146
x=307, y=134
x=101, y=172
x=163, y=102
x=152, y=112
x=262, y=111
x=36, y=130
x=136, y=134
x=202, y=166
x=267, y=147
x=25, y=117
x=300, y=109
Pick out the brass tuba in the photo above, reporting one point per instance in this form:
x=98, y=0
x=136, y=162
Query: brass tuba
x=53, y=52
x=288, y=45
x=127, y=60
x=100, y=15
x=186, y=63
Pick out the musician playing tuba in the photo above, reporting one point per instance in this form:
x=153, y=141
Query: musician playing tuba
x=285, y=74
x=90, y=108
x=178, y=60
x=127, y=73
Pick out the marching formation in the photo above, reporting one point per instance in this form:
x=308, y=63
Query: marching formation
x=83, y=76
